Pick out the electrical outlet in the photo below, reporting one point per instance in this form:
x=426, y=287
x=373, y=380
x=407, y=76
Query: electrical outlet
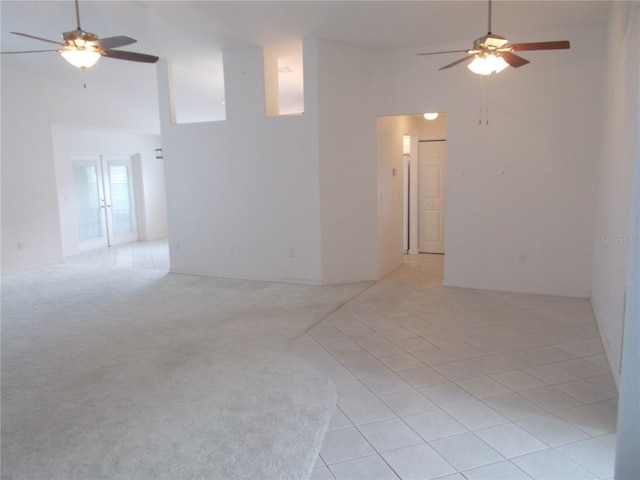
x=523, y=258
x=292, y=252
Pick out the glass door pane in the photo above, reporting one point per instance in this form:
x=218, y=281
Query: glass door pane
x=121, y=205
x=88, y=194
x=120, y=200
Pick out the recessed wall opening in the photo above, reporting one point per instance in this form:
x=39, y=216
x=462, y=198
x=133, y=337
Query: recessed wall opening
x=284, y=81
x=291, y=81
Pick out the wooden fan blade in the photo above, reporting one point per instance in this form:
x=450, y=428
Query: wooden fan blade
x=559, y=45
x=131, y=56
x=115, y=42
x=28, y=51
x=514, y=60
x=447, y=51
x=464, y=59
x=39, y=38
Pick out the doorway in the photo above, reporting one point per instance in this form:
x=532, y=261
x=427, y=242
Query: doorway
x=424, y=184
x=105, y=201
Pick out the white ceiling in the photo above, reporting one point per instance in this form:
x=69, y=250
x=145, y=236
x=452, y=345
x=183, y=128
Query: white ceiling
x=193, y=34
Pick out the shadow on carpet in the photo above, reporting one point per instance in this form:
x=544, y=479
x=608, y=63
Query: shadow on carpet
x=117, y=373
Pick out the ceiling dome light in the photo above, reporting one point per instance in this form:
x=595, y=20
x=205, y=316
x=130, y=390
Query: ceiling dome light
x=487, y=65
x=431, y=116
x=81, y=58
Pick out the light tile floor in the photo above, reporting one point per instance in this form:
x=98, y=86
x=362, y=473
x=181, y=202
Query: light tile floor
x=438, y=382
x=152, y=254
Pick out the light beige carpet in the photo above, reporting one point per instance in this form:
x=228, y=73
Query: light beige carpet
x=132, y=374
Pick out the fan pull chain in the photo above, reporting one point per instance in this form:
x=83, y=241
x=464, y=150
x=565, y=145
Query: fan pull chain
x=480, y=105
x=486, y=108
x=484, y=100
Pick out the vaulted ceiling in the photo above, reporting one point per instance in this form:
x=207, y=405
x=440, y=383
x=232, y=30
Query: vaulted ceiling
x=193, y=34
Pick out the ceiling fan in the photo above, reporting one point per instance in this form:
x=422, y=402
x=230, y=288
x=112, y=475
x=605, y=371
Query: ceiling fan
x=83, y=49
x=493, y=53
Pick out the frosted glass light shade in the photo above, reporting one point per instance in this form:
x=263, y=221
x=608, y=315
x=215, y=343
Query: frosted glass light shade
x=487, y=65
x=431, y=116
x=406, y=144
x=81, y=58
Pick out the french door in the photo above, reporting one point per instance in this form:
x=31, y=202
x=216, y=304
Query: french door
x=106, y=203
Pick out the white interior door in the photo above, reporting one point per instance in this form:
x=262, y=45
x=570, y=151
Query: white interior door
x=106, y=202
x=432, y=165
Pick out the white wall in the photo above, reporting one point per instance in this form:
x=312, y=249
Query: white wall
x=70, y=141
x=30, y=224
x=348, y=163
x=614, y=173
x=519, y=187
x=622, y=152
x=627, y=436
x=278, y=198
x=391, y=129
x=524, y=183
x=243, y=194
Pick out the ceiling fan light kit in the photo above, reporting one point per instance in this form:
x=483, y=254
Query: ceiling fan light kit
x=83, y=49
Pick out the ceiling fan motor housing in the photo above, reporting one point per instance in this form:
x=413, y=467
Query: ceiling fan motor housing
x=82, y=40
x=490, y=41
